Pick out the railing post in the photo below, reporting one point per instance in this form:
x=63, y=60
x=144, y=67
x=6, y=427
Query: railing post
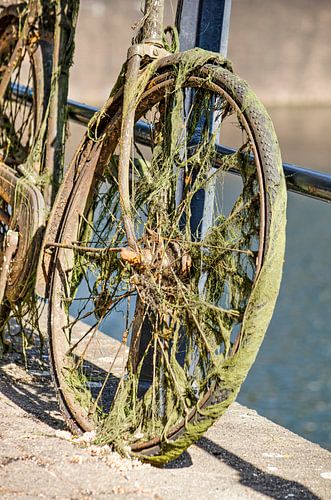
x=187, y=18
x=204, y=24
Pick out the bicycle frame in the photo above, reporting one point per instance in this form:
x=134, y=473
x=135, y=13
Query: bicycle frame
x=149, y=43
x=46, y=155
x=66, y=219
x=152, y=28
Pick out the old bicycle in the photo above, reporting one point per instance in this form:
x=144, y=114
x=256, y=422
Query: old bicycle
x=154, y=315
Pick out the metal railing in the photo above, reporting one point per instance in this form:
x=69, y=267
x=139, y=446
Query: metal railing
x=298, y=179
x=193, y=20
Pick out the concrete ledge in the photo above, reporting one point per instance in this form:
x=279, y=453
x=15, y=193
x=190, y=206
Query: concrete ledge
x=243, y=456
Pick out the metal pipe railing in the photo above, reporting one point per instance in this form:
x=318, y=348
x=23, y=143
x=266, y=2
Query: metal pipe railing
x=298, y=179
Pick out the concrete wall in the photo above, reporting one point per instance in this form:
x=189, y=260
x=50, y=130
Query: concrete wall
x=281, y=47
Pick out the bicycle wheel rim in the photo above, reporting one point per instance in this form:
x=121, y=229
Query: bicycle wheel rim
x=28, y=83
x=153, y=445
x=22, y=111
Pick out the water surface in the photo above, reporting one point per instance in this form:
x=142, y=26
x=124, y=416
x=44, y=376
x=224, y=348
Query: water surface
x=290, y=381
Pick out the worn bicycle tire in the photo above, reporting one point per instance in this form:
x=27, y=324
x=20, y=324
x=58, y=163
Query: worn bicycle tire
x=80, y=183
x=22, y=200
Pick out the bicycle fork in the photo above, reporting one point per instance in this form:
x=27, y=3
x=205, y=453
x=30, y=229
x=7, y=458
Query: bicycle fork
x=149, y=45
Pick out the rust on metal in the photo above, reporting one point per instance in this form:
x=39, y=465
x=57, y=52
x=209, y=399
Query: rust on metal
x=10, y=247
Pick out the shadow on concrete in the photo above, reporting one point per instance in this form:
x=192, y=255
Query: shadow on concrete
x=250, y=476
x=37, y=399
x=270, y=485
x=184, y=460
x=36, y=396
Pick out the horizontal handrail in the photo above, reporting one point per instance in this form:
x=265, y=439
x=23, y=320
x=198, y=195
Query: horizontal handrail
x=298, y=179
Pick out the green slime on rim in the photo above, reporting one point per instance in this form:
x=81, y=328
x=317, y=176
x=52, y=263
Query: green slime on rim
x=231, y=374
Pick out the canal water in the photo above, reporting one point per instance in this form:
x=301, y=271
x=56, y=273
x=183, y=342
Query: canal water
x=290, y=382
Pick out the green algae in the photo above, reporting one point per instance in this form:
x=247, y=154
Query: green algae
x=229, y=370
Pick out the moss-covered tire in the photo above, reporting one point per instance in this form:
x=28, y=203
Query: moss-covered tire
x=26, y=64
x=150, y=347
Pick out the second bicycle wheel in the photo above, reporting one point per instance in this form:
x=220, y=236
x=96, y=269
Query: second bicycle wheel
x=150, y=345
x=25, y=76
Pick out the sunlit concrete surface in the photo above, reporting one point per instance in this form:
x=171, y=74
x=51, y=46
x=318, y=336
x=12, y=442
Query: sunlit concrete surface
x=243, y=456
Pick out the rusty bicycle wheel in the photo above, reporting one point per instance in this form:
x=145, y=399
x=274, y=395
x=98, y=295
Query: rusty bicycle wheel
x=150, y=345
x=25, y=76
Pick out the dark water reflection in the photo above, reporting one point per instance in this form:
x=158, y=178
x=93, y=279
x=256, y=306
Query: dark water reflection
x=290, y=381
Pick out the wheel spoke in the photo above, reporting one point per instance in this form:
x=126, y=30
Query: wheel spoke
x=17, y=127
x=161, y=324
